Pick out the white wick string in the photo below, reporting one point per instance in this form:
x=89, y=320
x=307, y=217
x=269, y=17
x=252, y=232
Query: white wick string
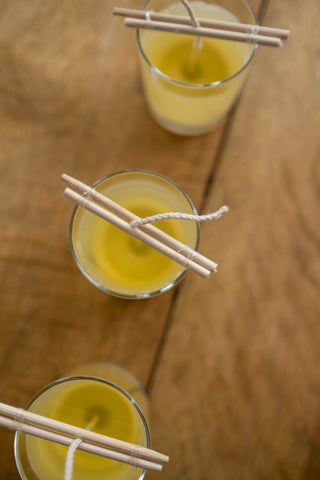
x=68, y=467
x=180, y=216
x=195, y=22
x=194, y=19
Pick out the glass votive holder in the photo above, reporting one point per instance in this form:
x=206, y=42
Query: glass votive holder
x=118, y=263
x=90, y=403
x=189, y=89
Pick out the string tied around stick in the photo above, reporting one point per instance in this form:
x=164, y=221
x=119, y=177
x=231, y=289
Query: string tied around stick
x=252, y=31
x=148, y=16
x=20, y=418
x=190, y=254
x=135, y=452
x=180, y=216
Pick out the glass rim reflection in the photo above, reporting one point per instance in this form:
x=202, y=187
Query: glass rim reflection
x=76, y=378
x=198, y=85
x=134, y=296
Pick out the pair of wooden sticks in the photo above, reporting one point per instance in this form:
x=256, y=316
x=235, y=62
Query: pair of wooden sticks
x=240, y=32
x=148, y=234
x=63, y=433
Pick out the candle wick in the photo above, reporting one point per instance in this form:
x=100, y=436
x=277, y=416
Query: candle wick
x=68, y=467
x=197, y=44
x=192, y=66
x=92, y=423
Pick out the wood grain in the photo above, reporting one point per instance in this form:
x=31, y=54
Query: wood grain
x=230, y=363
x=236, y=393
x=71, y=101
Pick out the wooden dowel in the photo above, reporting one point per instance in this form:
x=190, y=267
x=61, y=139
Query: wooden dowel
x=204, y=22
x=155, y=232
x=84, y=446
x=23, y=417
x=136, y=233
x=204, y=32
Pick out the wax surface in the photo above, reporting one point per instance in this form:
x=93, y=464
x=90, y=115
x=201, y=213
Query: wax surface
x=126, y=264
x=91, y=405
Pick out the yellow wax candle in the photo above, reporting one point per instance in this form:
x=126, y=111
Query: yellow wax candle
x=117, y=262
x=86, y=403
x=189, y=89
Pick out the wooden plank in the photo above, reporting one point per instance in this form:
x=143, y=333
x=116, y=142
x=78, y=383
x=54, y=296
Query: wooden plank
x=66, y=106
x=236, y=393
x=71, y=101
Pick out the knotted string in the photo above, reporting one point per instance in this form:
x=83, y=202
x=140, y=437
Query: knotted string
x=180, y=216
x=148, y=16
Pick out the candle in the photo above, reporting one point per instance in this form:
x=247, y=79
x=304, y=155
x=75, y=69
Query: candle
x=189, y=87
x=115, y=261
x=86, y=402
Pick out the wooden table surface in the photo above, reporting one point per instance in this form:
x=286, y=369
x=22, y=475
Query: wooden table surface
x=231, y=363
